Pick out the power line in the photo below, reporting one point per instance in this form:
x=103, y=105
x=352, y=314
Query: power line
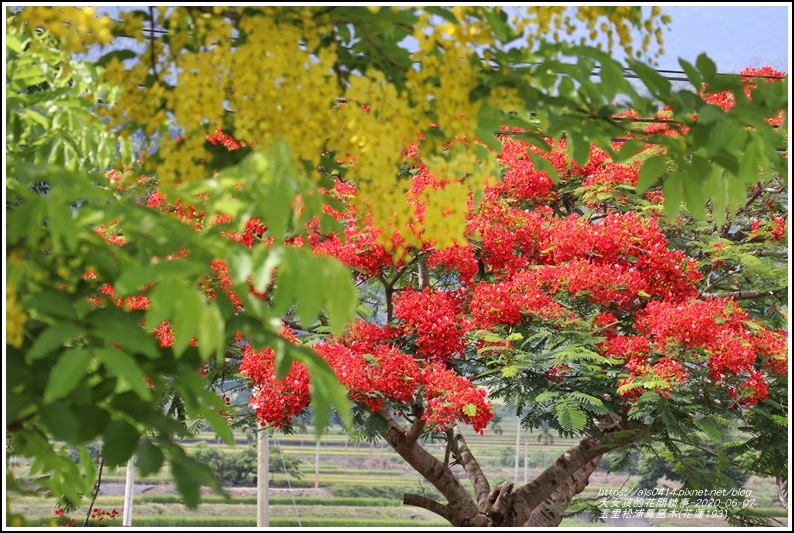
x=593, y=73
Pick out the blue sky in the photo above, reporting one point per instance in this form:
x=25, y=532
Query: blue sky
x=734, y=36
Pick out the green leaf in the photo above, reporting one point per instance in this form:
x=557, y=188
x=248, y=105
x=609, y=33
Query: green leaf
x=52, y=303
x=13, y=43
x=52, y=338
x=673, y=193
x=131, y=281
x=692, y=73
x=650, y=171
x=594, y=404
x=442, y=12
x=543, y=164
x=707, y=68
x=748, y=166
x=497, y=22
x=127, y=152
x=241, y=263
x=489, y=119
x=750, y=260
x=629, y=149
x=89, y=467
x=716, y=184
x=67, y=373
x=710, y=427
x=711, y=113
x=60, y=420
x=287, y=285
x=211, y=332
x=570, y=418
x=510, y=371
x=470, y=409
x=117, y=327
x=578, y=148
x=188, y=483
x=341, y=293
x=148, y=458
x=279, y=209
x=693, y=187
x=62, y=226
x=611, y=80
x=283, y=358
x=736, y=195
x=121, y=439
x=187, y=313
x=545, y=395
x=658, y=85
x=126, y=369
x=24, y=77
x=325, y=390
x=310, y=294
x=267, y=259
x=218, y=423
x=91, y=420
x=161, y=304
x=121, y=55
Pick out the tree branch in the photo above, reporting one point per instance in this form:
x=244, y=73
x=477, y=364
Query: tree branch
x=424, y=275
x=96, y=490
x=337, y=64
x=550, y=512
x=560, y=472
x=754, y=195
x=461, y=509
x=418, y=425
x=151, y=43
x=380, y=49
x=464, y=457
x=426, y=503
x=741, y=295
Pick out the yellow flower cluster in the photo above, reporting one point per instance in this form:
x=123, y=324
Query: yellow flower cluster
x=274, y=73
x=76, y=27
x=15, y=318
x=445, y=212
x=610, y=21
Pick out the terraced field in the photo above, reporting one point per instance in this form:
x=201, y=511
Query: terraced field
x=351, y=485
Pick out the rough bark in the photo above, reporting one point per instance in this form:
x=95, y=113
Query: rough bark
x=530, y=496
x=465, y=458
x=460, y=510
x=423, y=275
x=550, y=512
x=540, y=503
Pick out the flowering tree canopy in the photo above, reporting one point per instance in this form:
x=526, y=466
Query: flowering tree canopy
x=434, y=152
x=575, y=301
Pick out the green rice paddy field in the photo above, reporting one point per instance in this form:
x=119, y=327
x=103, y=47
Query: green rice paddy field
x=352, y=485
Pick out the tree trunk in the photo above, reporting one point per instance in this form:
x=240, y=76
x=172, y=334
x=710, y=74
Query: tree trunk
x=540, y=503
x=550, y=512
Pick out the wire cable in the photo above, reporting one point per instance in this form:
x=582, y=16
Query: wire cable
x=289, y=485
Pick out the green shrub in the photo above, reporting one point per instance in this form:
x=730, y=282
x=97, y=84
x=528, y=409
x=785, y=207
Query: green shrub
x=391, y=491
x=250, y=521
x=239, y=468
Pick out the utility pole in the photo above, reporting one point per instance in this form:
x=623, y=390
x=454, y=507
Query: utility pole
x=129, y=486
x=317, y=466
x=518, y=449
x=262, y=479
